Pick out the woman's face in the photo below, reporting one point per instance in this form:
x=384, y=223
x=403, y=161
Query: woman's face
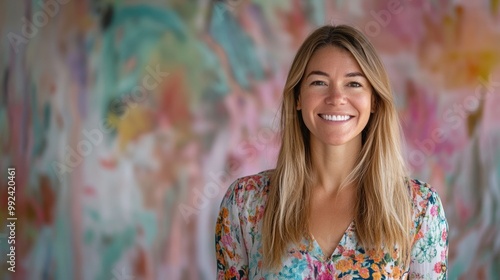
x=335, y=97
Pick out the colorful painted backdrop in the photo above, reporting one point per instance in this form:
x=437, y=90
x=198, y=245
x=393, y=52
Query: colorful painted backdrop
x=127, y=120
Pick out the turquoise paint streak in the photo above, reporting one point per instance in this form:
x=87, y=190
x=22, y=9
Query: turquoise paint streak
x=63, y=247
x=144, y=29
x=237, y=45
x=40, y=125
x=317, y=14
x=147, y=221
x=111, y=253
x=136, y=24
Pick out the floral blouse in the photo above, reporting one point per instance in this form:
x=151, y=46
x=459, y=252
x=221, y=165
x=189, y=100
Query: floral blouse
x=239, y=253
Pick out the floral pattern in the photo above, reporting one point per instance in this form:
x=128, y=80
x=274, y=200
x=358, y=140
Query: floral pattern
x=239, y=249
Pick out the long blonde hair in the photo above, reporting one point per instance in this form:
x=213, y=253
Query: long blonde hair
x=383, y=210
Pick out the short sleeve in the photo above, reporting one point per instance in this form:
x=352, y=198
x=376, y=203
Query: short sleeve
x=232, y=257
x=429, y=254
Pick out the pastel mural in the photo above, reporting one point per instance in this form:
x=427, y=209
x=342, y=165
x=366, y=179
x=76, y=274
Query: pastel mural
x=126, y=121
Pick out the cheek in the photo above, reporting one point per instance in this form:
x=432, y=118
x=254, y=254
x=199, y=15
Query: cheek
x=305, y=102
x=306, y=113
x=310, y=98
x=363, y=103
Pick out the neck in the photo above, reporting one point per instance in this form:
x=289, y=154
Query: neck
x=332, y=164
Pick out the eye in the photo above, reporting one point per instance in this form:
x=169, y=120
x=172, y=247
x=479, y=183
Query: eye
x=354, y=84
x=318, y=83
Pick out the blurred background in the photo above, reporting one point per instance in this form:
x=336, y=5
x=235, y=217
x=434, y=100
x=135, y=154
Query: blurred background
x=126, y=121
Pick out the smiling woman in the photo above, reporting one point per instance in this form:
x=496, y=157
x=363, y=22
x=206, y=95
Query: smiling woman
x=339, y=202
x=335, y=98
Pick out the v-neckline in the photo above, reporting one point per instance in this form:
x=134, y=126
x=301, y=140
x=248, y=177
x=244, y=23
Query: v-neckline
x=318, y=251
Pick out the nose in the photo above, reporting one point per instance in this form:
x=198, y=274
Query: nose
x=335, y=96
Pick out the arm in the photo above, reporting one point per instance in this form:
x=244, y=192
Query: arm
x=232, y=258
x=429, y=254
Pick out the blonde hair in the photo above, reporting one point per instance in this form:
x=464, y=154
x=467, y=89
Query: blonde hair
x=383, y=210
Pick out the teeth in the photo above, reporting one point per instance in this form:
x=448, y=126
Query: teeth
x=336, y=118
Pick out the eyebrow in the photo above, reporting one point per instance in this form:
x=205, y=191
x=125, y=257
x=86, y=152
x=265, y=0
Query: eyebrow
x=348, y=75
x=355, y=74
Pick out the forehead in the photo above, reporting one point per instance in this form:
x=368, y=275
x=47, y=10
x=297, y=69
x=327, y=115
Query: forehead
x=332, y=58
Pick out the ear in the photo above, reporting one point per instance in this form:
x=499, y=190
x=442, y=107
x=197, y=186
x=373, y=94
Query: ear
x=299, y=105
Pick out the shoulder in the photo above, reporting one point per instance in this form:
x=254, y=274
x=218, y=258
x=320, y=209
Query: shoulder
x=422, y=194
x=429, y=252
x=249, y=189
x=426, y=202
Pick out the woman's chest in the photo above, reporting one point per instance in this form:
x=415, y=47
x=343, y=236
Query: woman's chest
x=348, y=261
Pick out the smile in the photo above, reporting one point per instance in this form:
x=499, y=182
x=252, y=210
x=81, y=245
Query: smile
x=335, y=118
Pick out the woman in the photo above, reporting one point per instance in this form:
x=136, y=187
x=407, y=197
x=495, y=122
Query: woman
x=339, y=203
